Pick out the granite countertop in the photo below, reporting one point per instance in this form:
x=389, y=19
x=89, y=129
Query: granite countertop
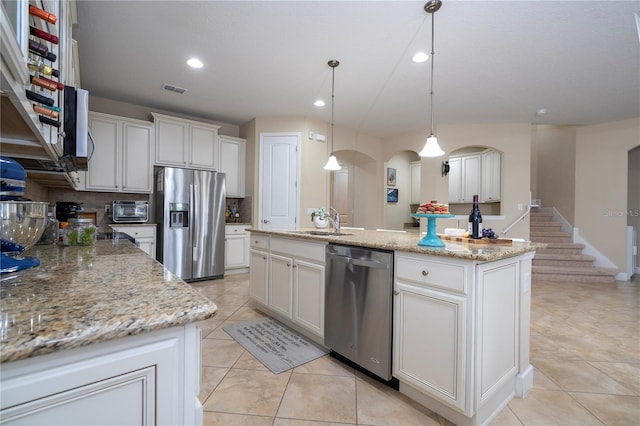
x=408, y=242
x=84, y=295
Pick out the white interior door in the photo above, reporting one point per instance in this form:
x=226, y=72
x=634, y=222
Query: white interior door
x=278, y=185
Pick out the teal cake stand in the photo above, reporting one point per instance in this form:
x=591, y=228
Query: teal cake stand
x=431, y=239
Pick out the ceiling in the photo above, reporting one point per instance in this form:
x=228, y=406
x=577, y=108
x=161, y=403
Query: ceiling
x=496, y=61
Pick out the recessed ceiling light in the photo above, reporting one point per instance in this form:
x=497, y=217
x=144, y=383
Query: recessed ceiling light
x=541, y=111
x=195, y=63
x=420, y=57
x=319, y=103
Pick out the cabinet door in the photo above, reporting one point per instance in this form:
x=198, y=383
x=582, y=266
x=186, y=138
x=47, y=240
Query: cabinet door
x=308, y=296
x=280, y=284
x=231, y=162
x=171, y=142
x=471, y=177
x=455, y=180
x=234, y=251
x=104, y=167
x=490, y=177
x=136, y=159
x=202, y=147
x=148, y=246
x=429, y=349
x=415, y=182
x=258, y=276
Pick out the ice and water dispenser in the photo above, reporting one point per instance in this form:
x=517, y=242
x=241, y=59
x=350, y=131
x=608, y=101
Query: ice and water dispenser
x=178, y=215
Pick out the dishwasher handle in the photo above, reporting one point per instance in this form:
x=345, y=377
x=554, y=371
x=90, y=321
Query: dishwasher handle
x=367, y=263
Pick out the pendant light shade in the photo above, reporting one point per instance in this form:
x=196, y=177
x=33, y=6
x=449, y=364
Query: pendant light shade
x=332, y=164
x=431, y=147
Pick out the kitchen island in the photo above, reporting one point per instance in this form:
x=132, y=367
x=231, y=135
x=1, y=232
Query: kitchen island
x=461, y=313
x=101, y=333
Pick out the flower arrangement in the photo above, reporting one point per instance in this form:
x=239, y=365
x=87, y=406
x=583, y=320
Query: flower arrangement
x=320, y=218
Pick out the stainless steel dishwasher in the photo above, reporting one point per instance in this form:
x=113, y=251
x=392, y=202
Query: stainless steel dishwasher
x=358, y=306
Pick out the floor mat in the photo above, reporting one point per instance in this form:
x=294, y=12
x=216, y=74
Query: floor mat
x=276, y=346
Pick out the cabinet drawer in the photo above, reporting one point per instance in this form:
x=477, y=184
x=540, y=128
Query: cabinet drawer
x=137, y=231
x=259, y=241
x=299, y=249
x=422, y=270
x=235, y=229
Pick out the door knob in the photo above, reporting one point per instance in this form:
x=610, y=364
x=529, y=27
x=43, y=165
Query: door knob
x=265, y=221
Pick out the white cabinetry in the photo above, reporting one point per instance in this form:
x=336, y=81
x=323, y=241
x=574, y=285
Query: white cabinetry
x=294, y=282
x=259, y=270
x=464, y=178
x=490, y=177
x=236, y=248
x=185, y=143
x=147, y=379
x=415, y=182
x=231, y=161
x=121, y=161
x=456, y=333
x=145, y=236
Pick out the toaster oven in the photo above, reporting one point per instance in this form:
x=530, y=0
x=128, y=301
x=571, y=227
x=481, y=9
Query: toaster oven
x=130, y=211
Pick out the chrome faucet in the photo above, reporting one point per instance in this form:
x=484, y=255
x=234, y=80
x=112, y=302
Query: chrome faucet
x=336, y=221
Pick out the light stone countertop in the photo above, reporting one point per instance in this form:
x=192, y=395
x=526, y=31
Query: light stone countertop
x=84, y=295
x=408, y=242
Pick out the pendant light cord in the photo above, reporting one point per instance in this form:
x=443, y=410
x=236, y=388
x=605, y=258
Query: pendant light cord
x=333, y=80
x=432, y=61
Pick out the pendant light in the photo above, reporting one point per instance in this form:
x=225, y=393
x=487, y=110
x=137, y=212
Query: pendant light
x=431, y=147
x=332, y=164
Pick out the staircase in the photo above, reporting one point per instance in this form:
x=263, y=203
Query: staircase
x=562, y=260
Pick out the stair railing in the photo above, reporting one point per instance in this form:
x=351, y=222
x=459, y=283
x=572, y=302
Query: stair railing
x=532, y=203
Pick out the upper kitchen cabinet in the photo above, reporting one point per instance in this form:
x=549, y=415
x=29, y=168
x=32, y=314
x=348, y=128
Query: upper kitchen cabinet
x=121, y=161
x=464, y=178
x=490, y=177
x=37, y=55
x=231, y=156
x=185, y=143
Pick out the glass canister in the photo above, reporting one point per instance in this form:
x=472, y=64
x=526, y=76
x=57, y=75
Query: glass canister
x=50, y=234
x=79, y=232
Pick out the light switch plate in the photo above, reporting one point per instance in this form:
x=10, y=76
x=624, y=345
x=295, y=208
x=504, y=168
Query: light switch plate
x=320, y=137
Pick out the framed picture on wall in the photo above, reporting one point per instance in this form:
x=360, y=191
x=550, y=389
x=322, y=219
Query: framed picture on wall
x=392, y=195
x=391, y=176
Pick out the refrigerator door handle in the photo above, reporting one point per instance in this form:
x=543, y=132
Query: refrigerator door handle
x=194, y=226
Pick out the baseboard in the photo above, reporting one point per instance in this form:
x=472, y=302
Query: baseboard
x=601, y=260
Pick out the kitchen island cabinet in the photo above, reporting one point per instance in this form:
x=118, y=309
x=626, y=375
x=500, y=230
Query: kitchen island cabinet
x=143, y=233
x=95, y=328
x=461, y=320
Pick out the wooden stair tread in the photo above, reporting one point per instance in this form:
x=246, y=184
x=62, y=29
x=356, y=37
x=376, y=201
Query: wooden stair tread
x=562, y=256
x=573, y=271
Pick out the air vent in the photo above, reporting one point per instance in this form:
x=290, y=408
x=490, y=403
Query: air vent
x=172, y=88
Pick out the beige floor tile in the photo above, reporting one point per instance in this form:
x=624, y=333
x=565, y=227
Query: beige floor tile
x=248, y=392
x=602, y=348
x=380, y=405
x=627, y=374
x=294, y=422
x=207, y=326
x=540, y=381
x=220, y=353
x=579, y=376
x=611, y=409
x=226, y=419
x=542, y=407
x=505, y=418
x=219, y=332
x=225, y=312
x=246, y=313
x=249, y=362
x=231, y=299
x=325, y=365
x=542, y=346
x=320, y=398
x=210, y=377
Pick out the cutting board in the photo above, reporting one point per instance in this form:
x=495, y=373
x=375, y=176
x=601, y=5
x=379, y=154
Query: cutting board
x=504, y=241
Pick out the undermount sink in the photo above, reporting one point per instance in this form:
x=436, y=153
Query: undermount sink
x=323, y=233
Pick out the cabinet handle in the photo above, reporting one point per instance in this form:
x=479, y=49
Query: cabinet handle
x=264, y=257
x=396, y=292
x=425, y=273
x=288, y=264
x=295, y=266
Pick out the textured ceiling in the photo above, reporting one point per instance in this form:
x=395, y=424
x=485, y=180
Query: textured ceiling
x=496, y=61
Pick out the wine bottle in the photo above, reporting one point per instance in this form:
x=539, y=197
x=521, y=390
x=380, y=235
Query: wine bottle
x=41, y=50
x=475, y=220
x=45, y=83
x=43, y=35
x=42, y=14
x=45, y=111
x=33, y=96
x=42, y=68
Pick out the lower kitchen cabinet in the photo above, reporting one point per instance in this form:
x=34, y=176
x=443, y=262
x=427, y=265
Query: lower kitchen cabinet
x=145, y=236
x=456, y=333
x=147, y=379
x=294, y=281
x=236, y=248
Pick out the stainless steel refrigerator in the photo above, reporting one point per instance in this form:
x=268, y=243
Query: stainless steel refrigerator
x=189, y=209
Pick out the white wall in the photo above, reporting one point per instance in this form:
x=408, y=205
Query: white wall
x=397, y=214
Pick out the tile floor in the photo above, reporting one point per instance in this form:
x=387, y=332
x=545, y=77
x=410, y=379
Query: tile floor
x=585, y=348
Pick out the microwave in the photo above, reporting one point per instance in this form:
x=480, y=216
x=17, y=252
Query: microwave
x=130, y=211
